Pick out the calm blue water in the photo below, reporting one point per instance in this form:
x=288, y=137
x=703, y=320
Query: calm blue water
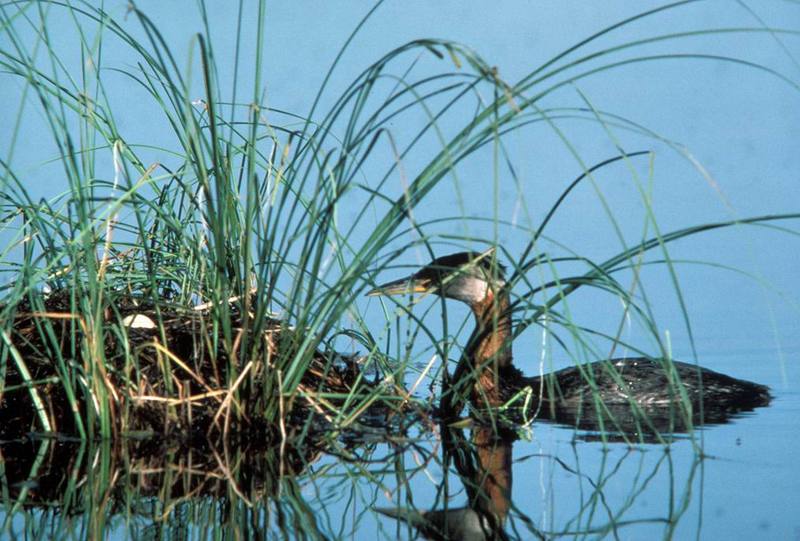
x=733, y=481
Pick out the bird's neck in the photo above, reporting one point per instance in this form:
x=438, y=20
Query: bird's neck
x=489, y=348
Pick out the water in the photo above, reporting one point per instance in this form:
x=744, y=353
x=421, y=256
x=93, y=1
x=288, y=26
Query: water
x=728, y=482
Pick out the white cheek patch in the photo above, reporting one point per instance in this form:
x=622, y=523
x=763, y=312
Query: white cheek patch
x=467, y=289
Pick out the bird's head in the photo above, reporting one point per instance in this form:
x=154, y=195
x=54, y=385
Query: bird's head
x=469, y=277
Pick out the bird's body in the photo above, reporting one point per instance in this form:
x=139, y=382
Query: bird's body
x=634, y=395
x=670, y=394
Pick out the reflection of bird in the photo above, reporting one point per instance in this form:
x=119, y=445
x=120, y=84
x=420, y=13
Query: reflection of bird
x=484, y=467
x=460, y=523
x=653, y=386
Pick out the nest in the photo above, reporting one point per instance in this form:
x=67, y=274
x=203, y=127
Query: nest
x=161, y=369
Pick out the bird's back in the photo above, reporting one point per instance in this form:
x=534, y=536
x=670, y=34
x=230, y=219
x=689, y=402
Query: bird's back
x=627, y=392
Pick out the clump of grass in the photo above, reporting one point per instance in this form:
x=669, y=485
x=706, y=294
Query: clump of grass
x=241, y=218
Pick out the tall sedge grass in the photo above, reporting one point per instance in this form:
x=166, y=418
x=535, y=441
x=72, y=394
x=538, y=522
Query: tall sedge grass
x=242, y=214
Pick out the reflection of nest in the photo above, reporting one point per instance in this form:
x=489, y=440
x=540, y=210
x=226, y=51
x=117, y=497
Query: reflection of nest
x=170, y=375
x=150, y=478
x=146, y=469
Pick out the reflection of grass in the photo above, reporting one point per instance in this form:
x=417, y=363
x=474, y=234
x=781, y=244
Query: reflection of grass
x=612, y=494
x=137, y=488
x=245, y=214
x=89, y=490
x=619, y=493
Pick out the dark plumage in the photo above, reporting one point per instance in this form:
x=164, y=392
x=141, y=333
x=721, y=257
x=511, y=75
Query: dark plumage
x=635, y=394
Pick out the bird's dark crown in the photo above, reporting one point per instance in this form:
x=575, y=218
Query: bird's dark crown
x=478, y=263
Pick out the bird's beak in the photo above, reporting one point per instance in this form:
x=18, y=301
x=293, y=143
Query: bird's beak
x=402, y=286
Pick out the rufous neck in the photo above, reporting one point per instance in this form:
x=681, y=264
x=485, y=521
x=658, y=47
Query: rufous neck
x=487, y=354
x=489, y=349
x=491, y=339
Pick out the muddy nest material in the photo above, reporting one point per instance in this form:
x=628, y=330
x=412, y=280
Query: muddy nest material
x=163, y=369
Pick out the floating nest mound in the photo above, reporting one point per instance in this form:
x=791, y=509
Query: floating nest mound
x=161, y=369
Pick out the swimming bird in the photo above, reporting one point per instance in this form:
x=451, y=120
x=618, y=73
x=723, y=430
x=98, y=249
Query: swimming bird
x=616, y=393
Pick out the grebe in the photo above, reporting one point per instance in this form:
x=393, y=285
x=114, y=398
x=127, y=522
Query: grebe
x=656, y=387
